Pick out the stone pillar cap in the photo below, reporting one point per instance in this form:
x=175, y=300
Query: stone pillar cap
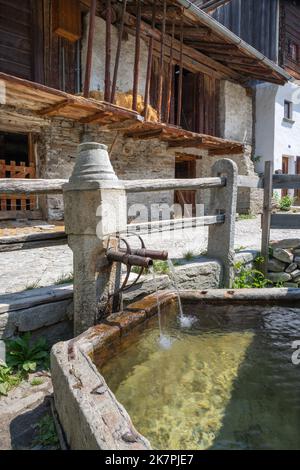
x=92, y=164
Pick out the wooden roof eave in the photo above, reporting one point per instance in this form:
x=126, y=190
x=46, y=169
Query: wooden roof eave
x=49, y=102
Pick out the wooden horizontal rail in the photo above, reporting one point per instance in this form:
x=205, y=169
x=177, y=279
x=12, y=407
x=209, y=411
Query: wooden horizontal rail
x=34, y=186
x=35, y=240
x=169, y=184
x=250, y=182
x=175, y=224
x=285, y=221
x=286, y=181
x=16, y=186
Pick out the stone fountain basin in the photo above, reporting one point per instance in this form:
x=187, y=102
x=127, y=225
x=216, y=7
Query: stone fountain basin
x=91, y=416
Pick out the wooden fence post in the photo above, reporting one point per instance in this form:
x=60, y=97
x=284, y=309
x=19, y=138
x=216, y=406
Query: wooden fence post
x=266, y=216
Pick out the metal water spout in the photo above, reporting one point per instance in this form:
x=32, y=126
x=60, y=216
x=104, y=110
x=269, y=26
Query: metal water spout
x=140, y=257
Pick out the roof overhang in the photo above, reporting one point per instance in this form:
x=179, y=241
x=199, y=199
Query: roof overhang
x=215, y=48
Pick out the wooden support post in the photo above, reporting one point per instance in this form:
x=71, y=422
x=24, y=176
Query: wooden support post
x=149, y=66
x=161, y=63
x=89, y=54
x=118, y=53
x=179, y=99
x=107, y=83
x=266, y=216
x=170, y=77
x=137, y=56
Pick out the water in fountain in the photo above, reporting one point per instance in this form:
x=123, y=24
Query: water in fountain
x=164, y=341
x=186, y=321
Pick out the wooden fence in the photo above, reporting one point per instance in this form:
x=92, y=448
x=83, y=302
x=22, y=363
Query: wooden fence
x=14, y=203
x=272, y=220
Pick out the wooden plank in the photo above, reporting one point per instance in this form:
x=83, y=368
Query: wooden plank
x=88, y=66
x=175, y=224
x=285, y=221
x=12, y=215
x=250, y=182
x=286, y=181
x=118, y=52
x=27, y=242
x=149, y=66
x=161, y=62
x=28, y=299
x=170, y=78
x=266, y=216
x=136, y=70
x=35, y=186
x=179, y=96
x=170, y=184
x=55, y=107
x=107, y=91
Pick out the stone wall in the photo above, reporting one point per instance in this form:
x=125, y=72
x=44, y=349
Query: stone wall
x=284, y=262
x=126, y=65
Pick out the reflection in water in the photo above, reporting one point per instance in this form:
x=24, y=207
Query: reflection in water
x=226, y=383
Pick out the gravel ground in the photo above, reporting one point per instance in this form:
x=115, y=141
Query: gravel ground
x=40, y=267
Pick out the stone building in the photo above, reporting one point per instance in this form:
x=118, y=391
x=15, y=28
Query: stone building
x=178, y=104
x=271, y=26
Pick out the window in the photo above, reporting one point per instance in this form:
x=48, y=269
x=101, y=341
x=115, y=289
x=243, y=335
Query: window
x=288, y=110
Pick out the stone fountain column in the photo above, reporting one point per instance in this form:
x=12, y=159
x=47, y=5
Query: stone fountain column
x=224, y=201
x=95, y=206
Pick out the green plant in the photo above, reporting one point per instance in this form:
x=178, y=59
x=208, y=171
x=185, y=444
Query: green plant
x=46, y=432
x=246, y=217
x=32, y=286
x=36, y=381
x=25, y=355
x=256, y=158
x=161, y=267
x=247, y=278
x=286, y=202
x=189, y=255
x=8, y=380
x=240, y=248
x=64, y=279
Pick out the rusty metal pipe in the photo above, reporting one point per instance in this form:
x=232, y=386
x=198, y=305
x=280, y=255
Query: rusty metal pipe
x=129, y=259
x=153, y=254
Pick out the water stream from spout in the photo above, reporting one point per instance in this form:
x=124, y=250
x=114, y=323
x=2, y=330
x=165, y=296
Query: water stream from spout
x=186, y=321
x=164, y=341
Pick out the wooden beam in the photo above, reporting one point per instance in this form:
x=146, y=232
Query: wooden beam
x=170, y=184
x=266, y=216
x=180, y=81
x=149, y=66
x=286, y=181
x=34, y=186
x=118, y=52
x=137, y=57
x=161, y=62
x=107, y=83
x=55, y=107
x=285, y=221
x=170, y=77
x=93, y=118
x=193, y=54
x=89, y=54
x=36, y=240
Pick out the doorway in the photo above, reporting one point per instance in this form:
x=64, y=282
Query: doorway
x=16, y=161
x=185, y=168
x=285, y=171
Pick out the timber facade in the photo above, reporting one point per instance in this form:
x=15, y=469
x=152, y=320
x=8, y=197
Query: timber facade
x=160, y=82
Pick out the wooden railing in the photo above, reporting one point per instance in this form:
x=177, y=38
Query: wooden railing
x=274, y=220
x=13, y=202
x=13, y=187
